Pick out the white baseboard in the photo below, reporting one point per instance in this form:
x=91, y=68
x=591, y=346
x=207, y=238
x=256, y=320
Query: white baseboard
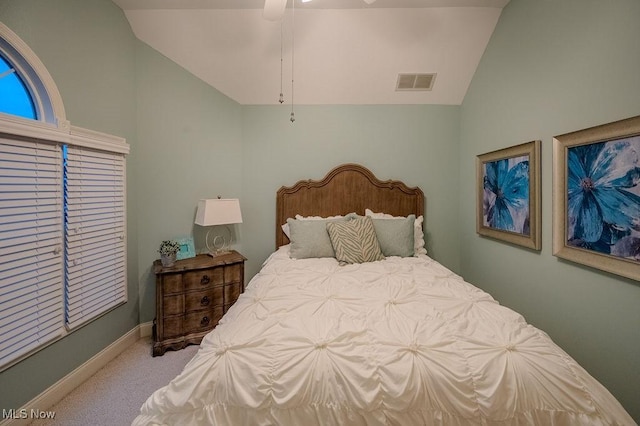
x=146, y=329
x=62, y=387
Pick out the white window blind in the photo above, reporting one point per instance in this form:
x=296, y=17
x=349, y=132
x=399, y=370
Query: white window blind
x=95, y=233
x=62, y=220
x=31, y=273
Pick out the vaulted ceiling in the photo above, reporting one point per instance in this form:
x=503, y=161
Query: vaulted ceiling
x=335, y=51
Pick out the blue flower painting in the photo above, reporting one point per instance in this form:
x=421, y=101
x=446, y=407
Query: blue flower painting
x=506, y=194
x=603, y=197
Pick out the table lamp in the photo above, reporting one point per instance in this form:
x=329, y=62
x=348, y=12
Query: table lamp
x=218, y=211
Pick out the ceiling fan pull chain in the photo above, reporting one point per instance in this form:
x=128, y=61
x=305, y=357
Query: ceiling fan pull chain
x=293, y=35
x=281, y=100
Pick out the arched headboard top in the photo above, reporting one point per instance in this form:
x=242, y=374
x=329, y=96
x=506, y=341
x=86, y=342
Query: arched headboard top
x=345, y=189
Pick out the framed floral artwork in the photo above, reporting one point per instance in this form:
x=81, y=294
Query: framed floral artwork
x=508, y=189
x=596, y=197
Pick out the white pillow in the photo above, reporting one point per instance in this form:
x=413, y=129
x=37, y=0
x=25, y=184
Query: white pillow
x=418, y=234
x=286, y=230
x=299, y=217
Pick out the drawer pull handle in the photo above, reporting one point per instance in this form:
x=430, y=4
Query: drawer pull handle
x=205, y=279
x=205, y=321
x=205, y=301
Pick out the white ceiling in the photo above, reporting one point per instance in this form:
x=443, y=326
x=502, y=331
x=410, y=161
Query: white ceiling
x=344, y=51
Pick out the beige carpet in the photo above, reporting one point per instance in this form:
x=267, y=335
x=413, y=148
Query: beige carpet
x=113, y=396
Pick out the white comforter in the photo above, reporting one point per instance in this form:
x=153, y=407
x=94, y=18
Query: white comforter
x=395, y=342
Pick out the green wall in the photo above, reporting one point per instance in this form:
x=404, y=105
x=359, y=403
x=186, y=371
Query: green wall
x=189, y=147
x=89, y=49
x=185, y=140
x=188, y=141
x=209, y=146
x=415, y=144
x=553, y=67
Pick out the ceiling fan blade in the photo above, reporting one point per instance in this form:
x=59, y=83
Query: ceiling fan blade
x=274, y=9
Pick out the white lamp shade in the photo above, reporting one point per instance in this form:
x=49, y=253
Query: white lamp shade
x=218, y=212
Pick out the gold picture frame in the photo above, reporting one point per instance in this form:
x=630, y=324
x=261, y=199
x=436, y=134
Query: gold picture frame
x=508, y=195
x=596, y=197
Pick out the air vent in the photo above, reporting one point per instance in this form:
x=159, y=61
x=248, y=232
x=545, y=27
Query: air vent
x=415, y=82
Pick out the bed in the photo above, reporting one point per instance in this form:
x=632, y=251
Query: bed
x=397, y=340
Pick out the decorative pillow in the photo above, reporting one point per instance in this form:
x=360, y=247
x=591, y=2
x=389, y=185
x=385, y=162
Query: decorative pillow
x=418, y=234
x=355, y=241
x=300, y=217
x=287, y=232
x=285, y=229
x=309, y=238
x=418, y=237
x=396, y=235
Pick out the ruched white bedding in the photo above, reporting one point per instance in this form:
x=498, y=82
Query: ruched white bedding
x=403, y=341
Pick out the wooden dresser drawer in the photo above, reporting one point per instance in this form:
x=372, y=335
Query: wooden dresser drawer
x=192, y=322
x=233, y=273
x=172, y=305
x=232, y=292
x=172, y=283
x=172, y=326
x=203, y=320
x=205, y=299
x=192, y=296
x=203, y=279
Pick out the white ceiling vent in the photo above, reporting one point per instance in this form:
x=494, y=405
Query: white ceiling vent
x=415, y=81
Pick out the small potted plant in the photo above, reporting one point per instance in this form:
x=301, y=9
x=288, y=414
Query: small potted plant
x=168, y=250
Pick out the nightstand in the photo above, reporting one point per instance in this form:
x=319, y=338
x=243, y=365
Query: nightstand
x=192, y=296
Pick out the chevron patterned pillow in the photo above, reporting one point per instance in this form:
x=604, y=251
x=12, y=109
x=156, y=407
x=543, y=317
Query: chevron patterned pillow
x=355, y=241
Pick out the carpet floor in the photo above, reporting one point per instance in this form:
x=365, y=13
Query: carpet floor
x=113, y=396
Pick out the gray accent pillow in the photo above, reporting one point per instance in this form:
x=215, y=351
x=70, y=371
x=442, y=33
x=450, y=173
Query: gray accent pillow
x=309, y=238
x=396, y=235
x=355, y=241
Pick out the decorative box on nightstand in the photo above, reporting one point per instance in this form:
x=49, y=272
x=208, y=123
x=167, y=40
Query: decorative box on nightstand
x=192, y=296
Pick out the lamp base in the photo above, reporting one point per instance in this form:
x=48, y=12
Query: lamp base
x=217, y=253
x=219, y=246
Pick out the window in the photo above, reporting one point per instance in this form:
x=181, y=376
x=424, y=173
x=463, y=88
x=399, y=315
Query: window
x=94, y=233
x=30, y=246
x=15, y=97
x=62, y=211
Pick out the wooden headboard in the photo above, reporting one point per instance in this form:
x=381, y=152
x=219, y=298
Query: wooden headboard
x=345, y=189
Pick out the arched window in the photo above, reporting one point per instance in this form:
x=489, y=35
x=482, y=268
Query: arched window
x=34, y=79
x=62, y=203
x=15, y=99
